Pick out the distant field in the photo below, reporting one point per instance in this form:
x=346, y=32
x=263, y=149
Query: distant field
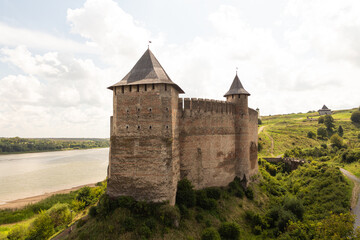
x=290, y=131
x=22, y=145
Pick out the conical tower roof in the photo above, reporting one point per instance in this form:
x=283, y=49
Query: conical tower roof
x=325, y=108
x=236, y=88
x=146, y=71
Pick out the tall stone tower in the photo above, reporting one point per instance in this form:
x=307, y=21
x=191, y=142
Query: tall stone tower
x=144, y=155
x=239, y=96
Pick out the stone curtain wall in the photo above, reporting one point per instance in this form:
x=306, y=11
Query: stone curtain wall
x=253, y=135
x=144, y=154
x=207, y=142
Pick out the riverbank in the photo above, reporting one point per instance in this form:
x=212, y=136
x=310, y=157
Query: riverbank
x=55, y=150
x=19, y=203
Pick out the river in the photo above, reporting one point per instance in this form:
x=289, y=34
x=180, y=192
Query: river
x=31, y=174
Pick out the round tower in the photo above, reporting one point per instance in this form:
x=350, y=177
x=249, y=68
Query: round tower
x=239, y=96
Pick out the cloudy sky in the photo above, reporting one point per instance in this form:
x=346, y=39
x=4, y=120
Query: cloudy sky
x=57, y=57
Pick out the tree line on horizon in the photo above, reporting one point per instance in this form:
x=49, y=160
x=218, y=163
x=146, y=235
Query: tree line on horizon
x=17, y=144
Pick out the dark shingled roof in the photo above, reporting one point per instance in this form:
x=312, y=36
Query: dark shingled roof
x=236, y=88
x=146, y=71
x=325, y=108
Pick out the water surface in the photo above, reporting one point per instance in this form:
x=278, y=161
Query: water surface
x=31, y=174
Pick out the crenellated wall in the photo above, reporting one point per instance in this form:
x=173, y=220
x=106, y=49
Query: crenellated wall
x=207, y=140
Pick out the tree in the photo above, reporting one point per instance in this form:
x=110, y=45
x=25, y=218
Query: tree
x=311, y=134
x=340, y=131
x=355, y=117
x=321, y=132
x=321, y=119
x=336, y=141
x=259, y=121
x=329, y=122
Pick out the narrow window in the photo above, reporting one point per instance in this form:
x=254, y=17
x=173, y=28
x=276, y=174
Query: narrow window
x=232, y=96
x=150, y=127
x=167, y=127
x=167, y=109
x=145, y=87
x=127, y=126
x=138, y=88
x=138, y=127
x=130, y=88
x=165, y=87
x=115, y=91
x=138, y=109
x=239, y=96
x=127, y=110
x=150, y=109
x=153, y=86
x=122, y=89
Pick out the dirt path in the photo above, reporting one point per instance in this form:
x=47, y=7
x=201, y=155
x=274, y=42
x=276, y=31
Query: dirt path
x=355, y=204
x=261, y=129
x=19, y=203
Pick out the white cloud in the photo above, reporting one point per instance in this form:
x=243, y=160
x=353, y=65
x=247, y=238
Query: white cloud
x=315, y=61
x=13, y=37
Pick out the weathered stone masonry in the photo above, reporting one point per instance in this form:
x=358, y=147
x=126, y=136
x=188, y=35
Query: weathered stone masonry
x=158, y=138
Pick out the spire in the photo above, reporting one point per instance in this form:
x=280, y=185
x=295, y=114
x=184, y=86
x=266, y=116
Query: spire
x=146, y=71
x=236, y=88
x=325, y=108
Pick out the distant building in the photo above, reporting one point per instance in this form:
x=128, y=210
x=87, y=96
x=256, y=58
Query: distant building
x=324, y=111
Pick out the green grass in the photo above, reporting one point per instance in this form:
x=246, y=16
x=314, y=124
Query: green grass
x=11, y=216
x=289, y=131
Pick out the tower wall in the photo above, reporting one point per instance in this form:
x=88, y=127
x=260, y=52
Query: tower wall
x=144, y=155
x=207, y=142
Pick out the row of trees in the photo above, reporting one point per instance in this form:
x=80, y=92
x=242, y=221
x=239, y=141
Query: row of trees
x=13, y=145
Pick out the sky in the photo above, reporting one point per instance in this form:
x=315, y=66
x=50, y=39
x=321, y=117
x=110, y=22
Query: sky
x=58, y=57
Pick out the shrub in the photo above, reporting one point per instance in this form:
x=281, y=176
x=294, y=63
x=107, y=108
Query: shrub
x=144, y=231
x=81, y=223
x=84, y=195
x=126, y=202
x=321, y=133
x=336, y=141
x=236, y=189
x=350, y=156
x=213, y=192
x=311, y=134
x=151, y=224
x=210, y=234
x=249, y=193
x=42, y=227
x=259, y=121
x=355, y=117
x=17, y=233
x=340, y=131
x=324, y=146
x=204, y=202
x=169, y=215
x=321, y=119
x=358, y=136
x=260, y=146
x=295, y=206
x=129, y=224
x=329, y=122
x=229, y=230
x=60, y=214
x=93, y=211
x=185, y=193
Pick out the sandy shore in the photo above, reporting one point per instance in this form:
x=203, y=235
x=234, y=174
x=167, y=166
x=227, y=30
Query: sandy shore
x=19, y=203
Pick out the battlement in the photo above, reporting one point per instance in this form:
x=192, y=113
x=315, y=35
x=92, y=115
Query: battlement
x=200, y=105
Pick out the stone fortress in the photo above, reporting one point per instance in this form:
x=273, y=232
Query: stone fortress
x=158, y=138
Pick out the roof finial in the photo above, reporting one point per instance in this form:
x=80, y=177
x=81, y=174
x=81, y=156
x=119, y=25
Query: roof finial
x=149, y=44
